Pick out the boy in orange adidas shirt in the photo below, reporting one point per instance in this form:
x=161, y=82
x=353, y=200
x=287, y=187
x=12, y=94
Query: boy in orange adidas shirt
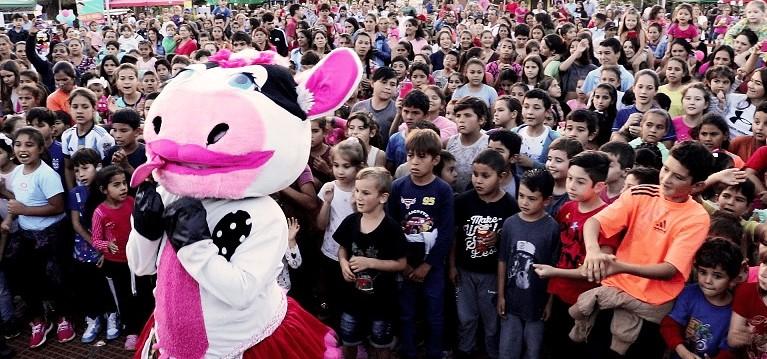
x=664, y=228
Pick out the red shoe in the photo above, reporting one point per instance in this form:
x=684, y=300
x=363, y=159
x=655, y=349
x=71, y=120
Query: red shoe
x=65, y=331
x=40, y=330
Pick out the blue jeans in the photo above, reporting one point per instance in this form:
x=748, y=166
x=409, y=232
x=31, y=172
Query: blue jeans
x=433, y=289
x=475, y=301
x=354, y=330
x=6, y=300
x=517, y=333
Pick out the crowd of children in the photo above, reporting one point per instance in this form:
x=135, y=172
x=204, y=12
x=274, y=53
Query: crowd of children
x=556, y=179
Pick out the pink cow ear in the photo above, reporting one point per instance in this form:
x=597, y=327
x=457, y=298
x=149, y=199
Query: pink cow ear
x=329, y=84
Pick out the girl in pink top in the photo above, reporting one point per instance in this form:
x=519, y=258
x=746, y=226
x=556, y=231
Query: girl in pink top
x=682, y=28
x=695, y=101
x=110, y=229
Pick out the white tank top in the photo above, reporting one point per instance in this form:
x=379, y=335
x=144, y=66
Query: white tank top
x=372, y=156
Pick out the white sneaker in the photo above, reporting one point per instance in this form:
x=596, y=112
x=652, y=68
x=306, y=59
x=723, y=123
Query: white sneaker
x=92, y=330
x=113, y=326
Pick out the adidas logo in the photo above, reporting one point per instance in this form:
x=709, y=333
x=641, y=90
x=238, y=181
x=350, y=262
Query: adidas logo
x=660, y=226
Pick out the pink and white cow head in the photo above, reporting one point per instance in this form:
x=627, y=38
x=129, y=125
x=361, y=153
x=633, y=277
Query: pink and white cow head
x=238, y=126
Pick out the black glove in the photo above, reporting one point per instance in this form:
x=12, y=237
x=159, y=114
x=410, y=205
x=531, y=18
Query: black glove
x=147, y=212
x=186, y=222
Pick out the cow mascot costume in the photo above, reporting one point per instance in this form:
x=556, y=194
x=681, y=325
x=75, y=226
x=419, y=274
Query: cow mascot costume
x=220, y=139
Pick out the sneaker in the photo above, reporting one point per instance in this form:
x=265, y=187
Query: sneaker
x=65, y=331
x=92, y=330
x=40, y=330
x=113, y=326
x=130, y=342
x=11, y=330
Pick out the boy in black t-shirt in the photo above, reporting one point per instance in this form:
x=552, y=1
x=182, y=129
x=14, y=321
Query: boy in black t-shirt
x=372, y=250
x=127, y=153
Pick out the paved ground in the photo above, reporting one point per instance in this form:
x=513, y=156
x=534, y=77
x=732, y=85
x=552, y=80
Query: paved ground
x=72, y=350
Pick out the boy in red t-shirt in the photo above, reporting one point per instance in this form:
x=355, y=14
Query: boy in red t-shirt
x=664, y=227
x=748, y=325
x=585, y=180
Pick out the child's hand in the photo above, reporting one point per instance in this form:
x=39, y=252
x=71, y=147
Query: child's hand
x=547, y=309
x=293, y=228
x=100, y=262
x=740, y=336
x=543, y=270
x=113, y=247
x=328, y=195
x=453, y=275
x=347, y=273
x=359, y=264
x=525, y=161
x=320, y=165
x=119, y=158
x=419, y=274
x=731, y=176
x=6, y=225
x=16, y=208
x=722, y=97
x=595, y=265
x=500, y=306
x=583, y=45
x=491, y=239
x=112, y=104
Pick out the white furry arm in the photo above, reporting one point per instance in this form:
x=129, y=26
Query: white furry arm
x=142, y=253
x=255, y=263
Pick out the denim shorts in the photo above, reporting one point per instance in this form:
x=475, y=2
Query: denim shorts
x=355, y=329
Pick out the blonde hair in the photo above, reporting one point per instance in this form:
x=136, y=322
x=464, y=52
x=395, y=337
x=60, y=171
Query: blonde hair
x=380, y=175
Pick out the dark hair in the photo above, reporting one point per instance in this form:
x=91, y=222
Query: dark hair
x=585, y=116
x=101, y=181
x=695, y=157
x=419, y=66
x=444, y=157
x=86, y=156
x=34, y=134
x=426, y=125
x=401, y=59
x=513, y=105
x=727, y=225
x=746, y=188
x=606, y=119
x=613, y=43
x=384, y=73
x=540, y=95
x=293, y=8
x=750, y=35
x=266, y=17
x=622, y=150
x=645, y=175
x=492, y=159
x=720, y=48
x=556, y=44
x=64, y=117
x=714, y=119
x=127, y=116
x=595, y=163
x=478, y=106
x=720, y=71
x=310, y=58
x=510, y=140
x=417, y=99
x=522, y=29
x=569, y=146
x=720, y=253
x=242, y=36
x=423, y=141
x=41, y=114
x=648, y=155
x=538, y=180
x=66, y=68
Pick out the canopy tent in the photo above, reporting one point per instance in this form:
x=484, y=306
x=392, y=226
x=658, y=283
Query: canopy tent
x=17, y=5
x=241, y=2
x=142, y=3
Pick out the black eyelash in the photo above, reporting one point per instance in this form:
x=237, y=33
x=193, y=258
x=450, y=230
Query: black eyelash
x=253, y=80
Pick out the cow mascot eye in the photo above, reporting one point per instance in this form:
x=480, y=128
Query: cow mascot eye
x=243, y=81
